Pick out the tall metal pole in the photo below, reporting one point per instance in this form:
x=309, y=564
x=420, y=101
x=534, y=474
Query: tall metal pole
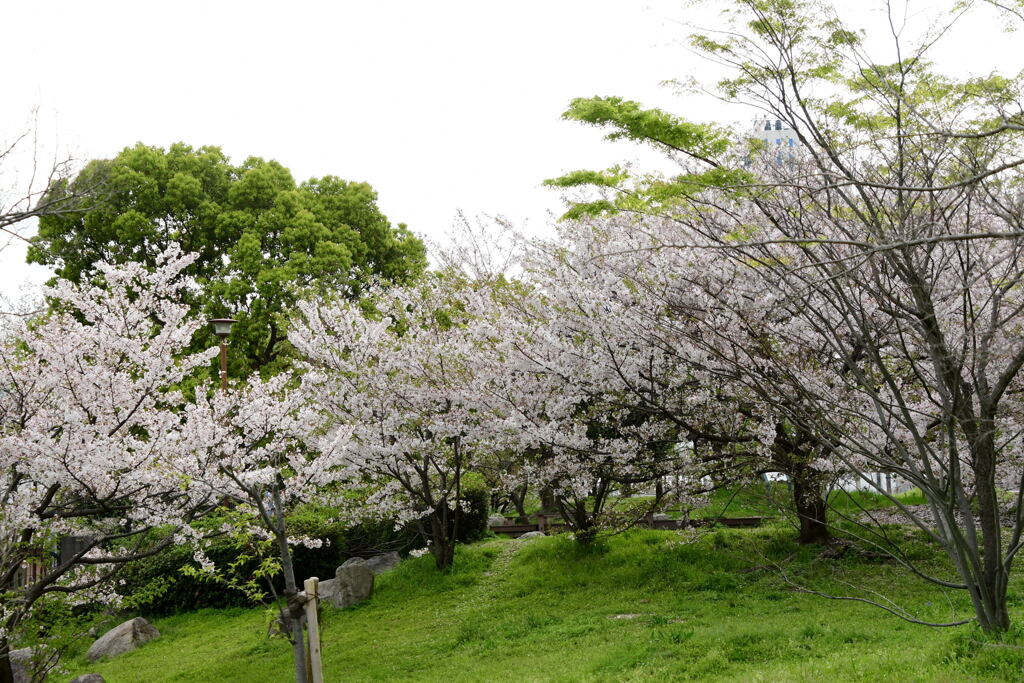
x=222, y=328
x=224, y=363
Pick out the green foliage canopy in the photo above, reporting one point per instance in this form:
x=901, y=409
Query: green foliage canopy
x=701, y=147
x=263, y=240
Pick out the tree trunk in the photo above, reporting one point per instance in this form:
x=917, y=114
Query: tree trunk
x=442, y=541
x=586, y=532
x=6, y=672
x=443, y=552
x=547, y=500
x=579, y=520
x=445, y=556
x=805, y=484
x=290, y=590
x=518, y=497
x=810, y=506
x=994, y=616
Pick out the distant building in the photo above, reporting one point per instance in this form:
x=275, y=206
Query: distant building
x=879, y=481
x=779, y=138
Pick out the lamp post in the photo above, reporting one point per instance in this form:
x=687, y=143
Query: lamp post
x=222, y=328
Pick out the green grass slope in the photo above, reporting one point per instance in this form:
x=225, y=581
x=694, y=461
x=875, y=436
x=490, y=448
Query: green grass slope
x=641, y=606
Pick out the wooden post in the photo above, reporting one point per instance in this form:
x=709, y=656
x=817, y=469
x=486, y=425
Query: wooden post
x=312, y=586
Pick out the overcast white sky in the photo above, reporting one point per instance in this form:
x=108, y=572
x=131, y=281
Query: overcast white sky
x=441, y=105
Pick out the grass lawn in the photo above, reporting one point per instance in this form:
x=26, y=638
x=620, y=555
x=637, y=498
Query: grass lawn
x=644, y=605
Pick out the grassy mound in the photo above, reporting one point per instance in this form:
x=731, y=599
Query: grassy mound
x=645, y=605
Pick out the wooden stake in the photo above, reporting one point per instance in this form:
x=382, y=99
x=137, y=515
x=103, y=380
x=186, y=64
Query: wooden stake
x=312, y=586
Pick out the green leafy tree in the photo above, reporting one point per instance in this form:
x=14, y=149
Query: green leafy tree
x=264, y=240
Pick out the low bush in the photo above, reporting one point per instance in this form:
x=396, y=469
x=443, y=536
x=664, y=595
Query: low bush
x=158, y=585
x=168, y=582
x=476, y=497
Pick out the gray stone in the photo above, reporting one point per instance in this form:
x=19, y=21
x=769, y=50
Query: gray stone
x=89, y=678
x=660, y=516
x=532, y=534
x=18, y=658
x=327, y=589
x=123, y=638
x=383, y=563
x=353, y=561
x=354, y=584
x=496, y=520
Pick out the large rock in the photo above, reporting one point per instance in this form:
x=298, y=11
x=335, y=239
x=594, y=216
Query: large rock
x=532, y=534
x=326, y=590
x=123, y=638
x=18, y=658
x=352, y=584
x=89, y=678
x=383, y=563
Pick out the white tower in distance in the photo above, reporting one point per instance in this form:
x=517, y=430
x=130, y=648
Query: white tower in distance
x=778, y=136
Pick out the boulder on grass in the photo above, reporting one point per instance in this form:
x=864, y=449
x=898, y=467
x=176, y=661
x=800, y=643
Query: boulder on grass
x=353, y=584
x=532, y=534
x=89, y=678
x=327, y=589
x=123, y=638
x=18, y=659
x=383, y=563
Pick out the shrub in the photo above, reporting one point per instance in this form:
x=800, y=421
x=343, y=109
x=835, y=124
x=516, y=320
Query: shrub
x=158, y=585
x=476, y=497
x=167, y=583
x=319, y=522
x=171, y=582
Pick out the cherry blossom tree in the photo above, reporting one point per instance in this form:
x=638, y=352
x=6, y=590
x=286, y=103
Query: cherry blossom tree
x=879, y=268
x=89, y=428
x=98, y=442
x=399, y=378
x=899, y=351
x=263, y=445
x=581, y=434
x=653, y=333
x=557, y=356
